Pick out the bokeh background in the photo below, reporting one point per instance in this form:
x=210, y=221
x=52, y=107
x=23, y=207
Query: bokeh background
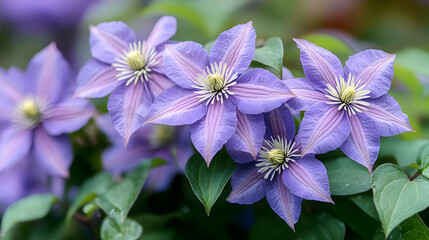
x=343, y=27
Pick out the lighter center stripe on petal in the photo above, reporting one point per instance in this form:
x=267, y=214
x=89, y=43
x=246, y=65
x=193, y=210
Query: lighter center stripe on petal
x=136, y=64
x=214, y=83
x=276, y=155
x=348, y=95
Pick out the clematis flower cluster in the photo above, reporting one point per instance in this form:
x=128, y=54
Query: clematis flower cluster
x=165, y=94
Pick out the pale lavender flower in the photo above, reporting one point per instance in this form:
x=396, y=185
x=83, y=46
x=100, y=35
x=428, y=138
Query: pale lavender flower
x=215, y=94
x=347, y=108
x=280, y=173
x=37, y=112
x=129, y=69
x=151, y=141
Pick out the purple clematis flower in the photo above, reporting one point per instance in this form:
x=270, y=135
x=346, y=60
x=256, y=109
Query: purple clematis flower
x=215, y=94
x=347, y=108
x=37, y=111
x=129, y=69
x=151, y=141
x=280, y=173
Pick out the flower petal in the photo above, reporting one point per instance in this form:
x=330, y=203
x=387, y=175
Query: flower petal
x=68, y=116
x=164, y=29
x=129, y=108
x=14, y=146
x=388, y=116
x=177, y=106
x=235, y=47
x=306, y=94
x=109, y=40
x=160, y=178
x=247, y=185
x=286, y=74
x=307, y=178
x=249, y=134
x=258, y=91
x=280, y=123
x=282, y=201
x=374, y=70
x=53, y=153
x=183, y=62
x=159, y=83
x=211, y=132
x=323, y=129
x=321, y=67
x=96, y=80
x=118, y=159
x=363, y=143
x=50, y=75
x=12, y=85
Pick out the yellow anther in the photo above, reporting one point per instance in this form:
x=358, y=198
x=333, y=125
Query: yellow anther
x=348, y=94
x=30, y=109
x=216, y=81
x=135, y=60
x=276, y=156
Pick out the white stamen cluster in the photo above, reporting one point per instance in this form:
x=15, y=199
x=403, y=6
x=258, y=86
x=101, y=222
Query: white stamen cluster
x=136, y=64
x=30, y=112
x=275, y=156
x=214, y=83
x=348, y=95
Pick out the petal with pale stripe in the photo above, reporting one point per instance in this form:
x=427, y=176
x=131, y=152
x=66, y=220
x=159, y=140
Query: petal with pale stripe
x=211, y=132
x=249, y=134
x=177, y=106
x=305, y=94
x=235, y=47
x=247, y=185
x=323, y=129
x=280, y=124
x=320, y=65
x=164, y=29
x=96, y=80
x=374, y=70
x=14, y=146
x=363, y=143
x=258, y=91
x=282, y=201
x=307, y=178
x=159, y=83
x=54, y=154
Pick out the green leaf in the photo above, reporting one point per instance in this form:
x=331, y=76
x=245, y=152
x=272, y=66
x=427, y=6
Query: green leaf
x=271, y=54
x=326, y=228
x=27, y=209
x=423, y=156
x=92, y=188
x=414, y=59
x=414, y=229
x=346, y=177
x=396, y=197
x=365, y=201
x=117, y=201
x=407, y=152
x=208, y=182
x=129, y=230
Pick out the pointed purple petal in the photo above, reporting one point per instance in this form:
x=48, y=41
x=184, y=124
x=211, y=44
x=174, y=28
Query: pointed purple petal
x=68, y=116
x=247, y=185
x=109, y=40
x=283, y=202
x=363, y=143
x=374, y=70
x=53, y=153
x=177, y=106
x=96, y=80
x=258, y=91
x=307, y=178
x=159, y=83
x=183, y=62
x=12, y=85
x=129, y=108
x=249, y=134
x=14, y=146
x=119, y=159
x=235, y=47
x=388, y=116
x=211, y=132
x=306, y=94
x=320, y=65
x=164, y=29
x=50, y=75
x=160, y=178
x=323, y=129
x=280, y=123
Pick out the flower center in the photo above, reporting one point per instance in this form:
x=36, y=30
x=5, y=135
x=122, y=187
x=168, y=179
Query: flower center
x=276, y=155
x=162, y=135
x=136, y=64
x=29, y=113
x=213, y=84
x=348, y=95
